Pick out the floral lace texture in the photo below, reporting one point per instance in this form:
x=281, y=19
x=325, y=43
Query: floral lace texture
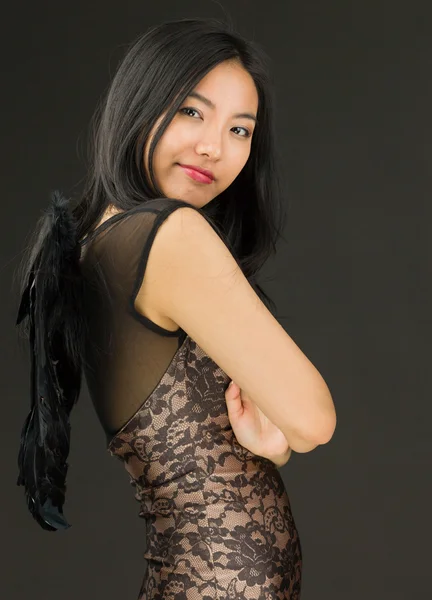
x=218, y=518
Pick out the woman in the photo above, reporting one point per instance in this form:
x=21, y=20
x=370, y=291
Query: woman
x=202, y=458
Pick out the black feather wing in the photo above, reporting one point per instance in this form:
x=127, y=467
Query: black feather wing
x=52, y=303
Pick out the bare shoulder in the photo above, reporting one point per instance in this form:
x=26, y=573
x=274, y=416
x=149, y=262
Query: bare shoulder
x=196, y=283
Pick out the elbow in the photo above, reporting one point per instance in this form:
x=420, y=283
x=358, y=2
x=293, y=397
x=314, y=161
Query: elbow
x=321, y=432
x=306, y=442
x=324, y=433
x=318, y=424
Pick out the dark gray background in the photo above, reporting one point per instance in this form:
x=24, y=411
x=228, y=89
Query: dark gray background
x=354, y=98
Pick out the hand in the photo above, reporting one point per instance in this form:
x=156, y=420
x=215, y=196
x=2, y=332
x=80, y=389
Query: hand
x=253, y=429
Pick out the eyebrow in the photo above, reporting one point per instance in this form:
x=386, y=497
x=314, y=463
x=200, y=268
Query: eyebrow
x=210, y=104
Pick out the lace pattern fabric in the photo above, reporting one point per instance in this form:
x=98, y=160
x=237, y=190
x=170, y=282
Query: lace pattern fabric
x=219, y=520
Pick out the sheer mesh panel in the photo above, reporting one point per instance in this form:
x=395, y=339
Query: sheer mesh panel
x=126, y=353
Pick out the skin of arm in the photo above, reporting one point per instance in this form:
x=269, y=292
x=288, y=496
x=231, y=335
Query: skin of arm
x=281, y=460
x=257, y=433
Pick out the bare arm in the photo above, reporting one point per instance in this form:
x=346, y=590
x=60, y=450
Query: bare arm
x=302, y=446
x=198, y=284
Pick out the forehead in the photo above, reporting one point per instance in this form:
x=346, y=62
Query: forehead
x=229, y=84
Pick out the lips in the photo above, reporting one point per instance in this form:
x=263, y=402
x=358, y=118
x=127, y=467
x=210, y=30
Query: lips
x=196, y=175
x=205, y=172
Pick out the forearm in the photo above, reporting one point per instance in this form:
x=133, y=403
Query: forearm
x=301, y=445
x=296, y=443
x=281, y=459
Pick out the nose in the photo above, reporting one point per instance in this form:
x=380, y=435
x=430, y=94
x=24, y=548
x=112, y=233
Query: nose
x=211, y=149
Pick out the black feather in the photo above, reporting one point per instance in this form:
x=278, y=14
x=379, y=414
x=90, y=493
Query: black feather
x=52, y=301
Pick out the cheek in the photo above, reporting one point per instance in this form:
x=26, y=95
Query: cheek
x=239, y=161
x=164, y=158
x=171, y=146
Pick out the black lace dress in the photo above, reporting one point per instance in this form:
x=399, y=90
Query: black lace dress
x=219, y=521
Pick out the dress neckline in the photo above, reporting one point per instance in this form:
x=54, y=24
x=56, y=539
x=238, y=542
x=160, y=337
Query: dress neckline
x=102, y=226
x=116, y=217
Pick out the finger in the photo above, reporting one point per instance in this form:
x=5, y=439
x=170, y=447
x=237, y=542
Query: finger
x=233, y=402
x=234, y=408
x=233, y=390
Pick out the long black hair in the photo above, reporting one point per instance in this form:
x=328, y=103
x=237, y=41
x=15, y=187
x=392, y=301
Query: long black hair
x=157, y=73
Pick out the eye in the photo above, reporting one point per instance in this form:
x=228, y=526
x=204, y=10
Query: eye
x=188, y=108
x=248, y=133
x=185, y=108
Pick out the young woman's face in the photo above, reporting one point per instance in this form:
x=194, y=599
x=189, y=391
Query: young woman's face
x=212, y=138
